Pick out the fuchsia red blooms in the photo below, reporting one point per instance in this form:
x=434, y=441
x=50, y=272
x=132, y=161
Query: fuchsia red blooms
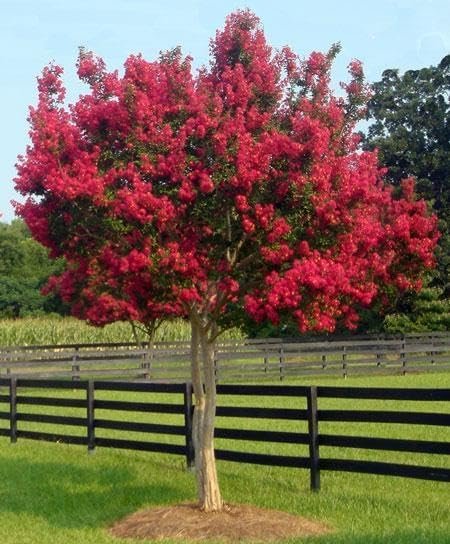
x=241, y=186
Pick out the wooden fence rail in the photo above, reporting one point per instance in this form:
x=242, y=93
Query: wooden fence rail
x=102, y=412
x=262, y=359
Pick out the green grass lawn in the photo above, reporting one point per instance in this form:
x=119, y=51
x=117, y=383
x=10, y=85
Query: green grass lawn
x=57, y=493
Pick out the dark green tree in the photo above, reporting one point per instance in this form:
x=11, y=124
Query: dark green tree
x=410, y=126
x=424, y=312
x=24, y=268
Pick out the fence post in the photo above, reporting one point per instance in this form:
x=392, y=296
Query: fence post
x=433, y=353
x=145, y=364
x=216, y=366
x=147, y=359
x=403, y=355
x=281, y=362
x=344, y=362
x=8, y=357
x=266, y=360
x=13, y=410
x=75, y=366
x=188, y=412
x=90, y=405
x=313, y=432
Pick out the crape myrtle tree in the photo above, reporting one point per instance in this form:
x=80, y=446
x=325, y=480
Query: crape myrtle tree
x=239, y=189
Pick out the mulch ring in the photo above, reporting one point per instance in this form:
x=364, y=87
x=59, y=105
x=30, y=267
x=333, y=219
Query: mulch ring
x=236, y=523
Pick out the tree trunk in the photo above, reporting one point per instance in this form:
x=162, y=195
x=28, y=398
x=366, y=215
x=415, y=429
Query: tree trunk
x=204, y=385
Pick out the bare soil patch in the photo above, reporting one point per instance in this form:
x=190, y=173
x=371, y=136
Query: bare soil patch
x=236, y=523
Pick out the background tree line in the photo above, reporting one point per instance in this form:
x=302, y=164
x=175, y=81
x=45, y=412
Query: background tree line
x=409, y=123
x=24, y=269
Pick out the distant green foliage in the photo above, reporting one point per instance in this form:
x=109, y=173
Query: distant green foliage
x=424, y=312
x=24, y=269
x=19, y=297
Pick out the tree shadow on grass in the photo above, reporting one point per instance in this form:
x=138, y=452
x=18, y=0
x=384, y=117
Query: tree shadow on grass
x=74, y=496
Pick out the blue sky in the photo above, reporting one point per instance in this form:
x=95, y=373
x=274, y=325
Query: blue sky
x=383, y=34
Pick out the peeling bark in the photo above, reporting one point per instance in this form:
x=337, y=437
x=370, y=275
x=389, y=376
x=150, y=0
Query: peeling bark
x=204, y=386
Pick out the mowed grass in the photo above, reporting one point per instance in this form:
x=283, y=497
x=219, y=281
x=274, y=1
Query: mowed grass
x=58, y=493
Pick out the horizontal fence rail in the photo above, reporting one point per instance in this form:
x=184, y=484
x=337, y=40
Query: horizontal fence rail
x=297, y=433
x=239, y=360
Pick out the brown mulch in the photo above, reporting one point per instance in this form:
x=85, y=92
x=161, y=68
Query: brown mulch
x=236, y=523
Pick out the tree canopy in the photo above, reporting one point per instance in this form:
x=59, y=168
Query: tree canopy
x=239, y=189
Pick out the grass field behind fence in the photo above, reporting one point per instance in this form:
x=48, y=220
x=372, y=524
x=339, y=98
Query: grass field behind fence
x=57, y=493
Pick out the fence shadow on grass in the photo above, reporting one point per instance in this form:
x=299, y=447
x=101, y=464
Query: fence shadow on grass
x=71, y=496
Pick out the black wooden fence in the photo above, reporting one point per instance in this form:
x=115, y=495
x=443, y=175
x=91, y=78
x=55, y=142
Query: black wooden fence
x=240, y=360
x=177, y=402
